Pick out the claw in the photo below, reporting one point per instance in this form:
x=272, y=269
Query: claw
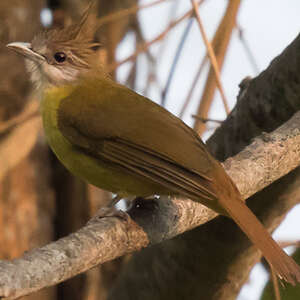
x=108, y=211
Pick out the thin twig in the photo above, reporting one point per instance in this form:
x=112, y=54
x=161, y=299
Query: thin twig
x=212, y=56
x=146, y=45
x=247, y=49
x=128, y=11
x=30, y=111
x=190, y=93
x=275, y=284
x=289, y=244
x=175, y=60
x=205, y=120
x=178, y=51
x=153, y=64
x=152, y=79
x=172, y=13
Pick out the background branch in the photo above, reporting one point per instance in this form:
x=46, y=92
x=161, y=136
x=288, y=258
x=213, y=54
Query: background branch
x=220, y=45
x=212, y=57
x=26, y=197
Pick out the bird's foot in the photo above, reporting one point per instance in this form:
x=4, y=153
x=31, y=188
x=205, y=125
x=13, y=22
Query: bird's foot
x=109, y=211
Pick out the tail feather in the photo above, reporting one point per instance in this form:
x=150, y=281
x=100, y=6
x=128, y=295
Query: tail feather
x=285, y=267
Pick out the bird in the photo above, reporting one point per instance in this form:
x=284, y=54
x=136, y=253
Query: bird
x=122, y=142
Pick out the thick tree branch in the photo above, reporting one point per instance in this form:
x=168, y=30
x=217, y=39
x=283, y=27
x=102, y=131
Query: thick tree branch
x=107, y=238
x=264, y=103
x=266, y=159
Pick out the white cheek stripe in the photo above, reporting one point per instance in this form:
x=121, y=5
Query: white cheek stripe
x=58, y=75
x=43, y=74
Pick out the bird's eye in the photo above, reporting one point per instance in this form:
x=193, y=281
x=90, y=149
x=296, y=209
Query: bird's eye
x=60, y=57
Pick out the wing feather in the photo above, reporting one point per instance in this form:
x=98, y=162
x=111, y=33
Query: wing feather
x=157, y=169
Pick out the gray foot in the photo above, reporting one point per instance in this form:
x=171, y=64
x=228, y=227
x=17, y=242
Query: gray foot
x=108, y=211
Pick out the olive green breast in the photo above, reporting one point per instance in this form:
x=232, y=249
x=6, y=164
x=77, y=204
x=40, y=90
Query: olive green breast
x=80, y=163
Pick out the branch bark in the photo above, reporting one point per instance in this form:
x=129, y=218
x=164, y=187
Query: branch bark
x=107, y=238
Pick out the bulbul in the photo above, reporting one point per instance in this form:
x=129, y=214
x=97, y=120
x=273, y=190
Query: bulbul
x=122, y=142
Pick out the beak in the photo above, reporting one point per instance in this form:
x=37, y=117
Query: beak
x=25, y=50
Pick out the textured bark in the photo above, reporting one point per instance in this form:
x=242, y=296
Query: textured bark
x=215, y=259
x=26, y=199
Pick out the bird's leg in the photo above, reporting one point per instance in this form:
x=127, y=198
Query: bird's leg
x=114, y=201
x=111, y=211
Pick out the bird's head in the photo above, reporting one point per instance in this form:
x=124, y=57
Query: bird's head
x=60, y=56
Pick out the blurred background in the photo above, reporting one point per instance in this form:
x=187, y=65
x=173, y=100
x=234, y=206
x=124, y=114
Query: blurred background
x=155, y=48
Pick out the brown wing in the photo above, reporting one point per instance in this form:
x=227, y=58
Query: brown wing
x=156, y=168
x=113, y=123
